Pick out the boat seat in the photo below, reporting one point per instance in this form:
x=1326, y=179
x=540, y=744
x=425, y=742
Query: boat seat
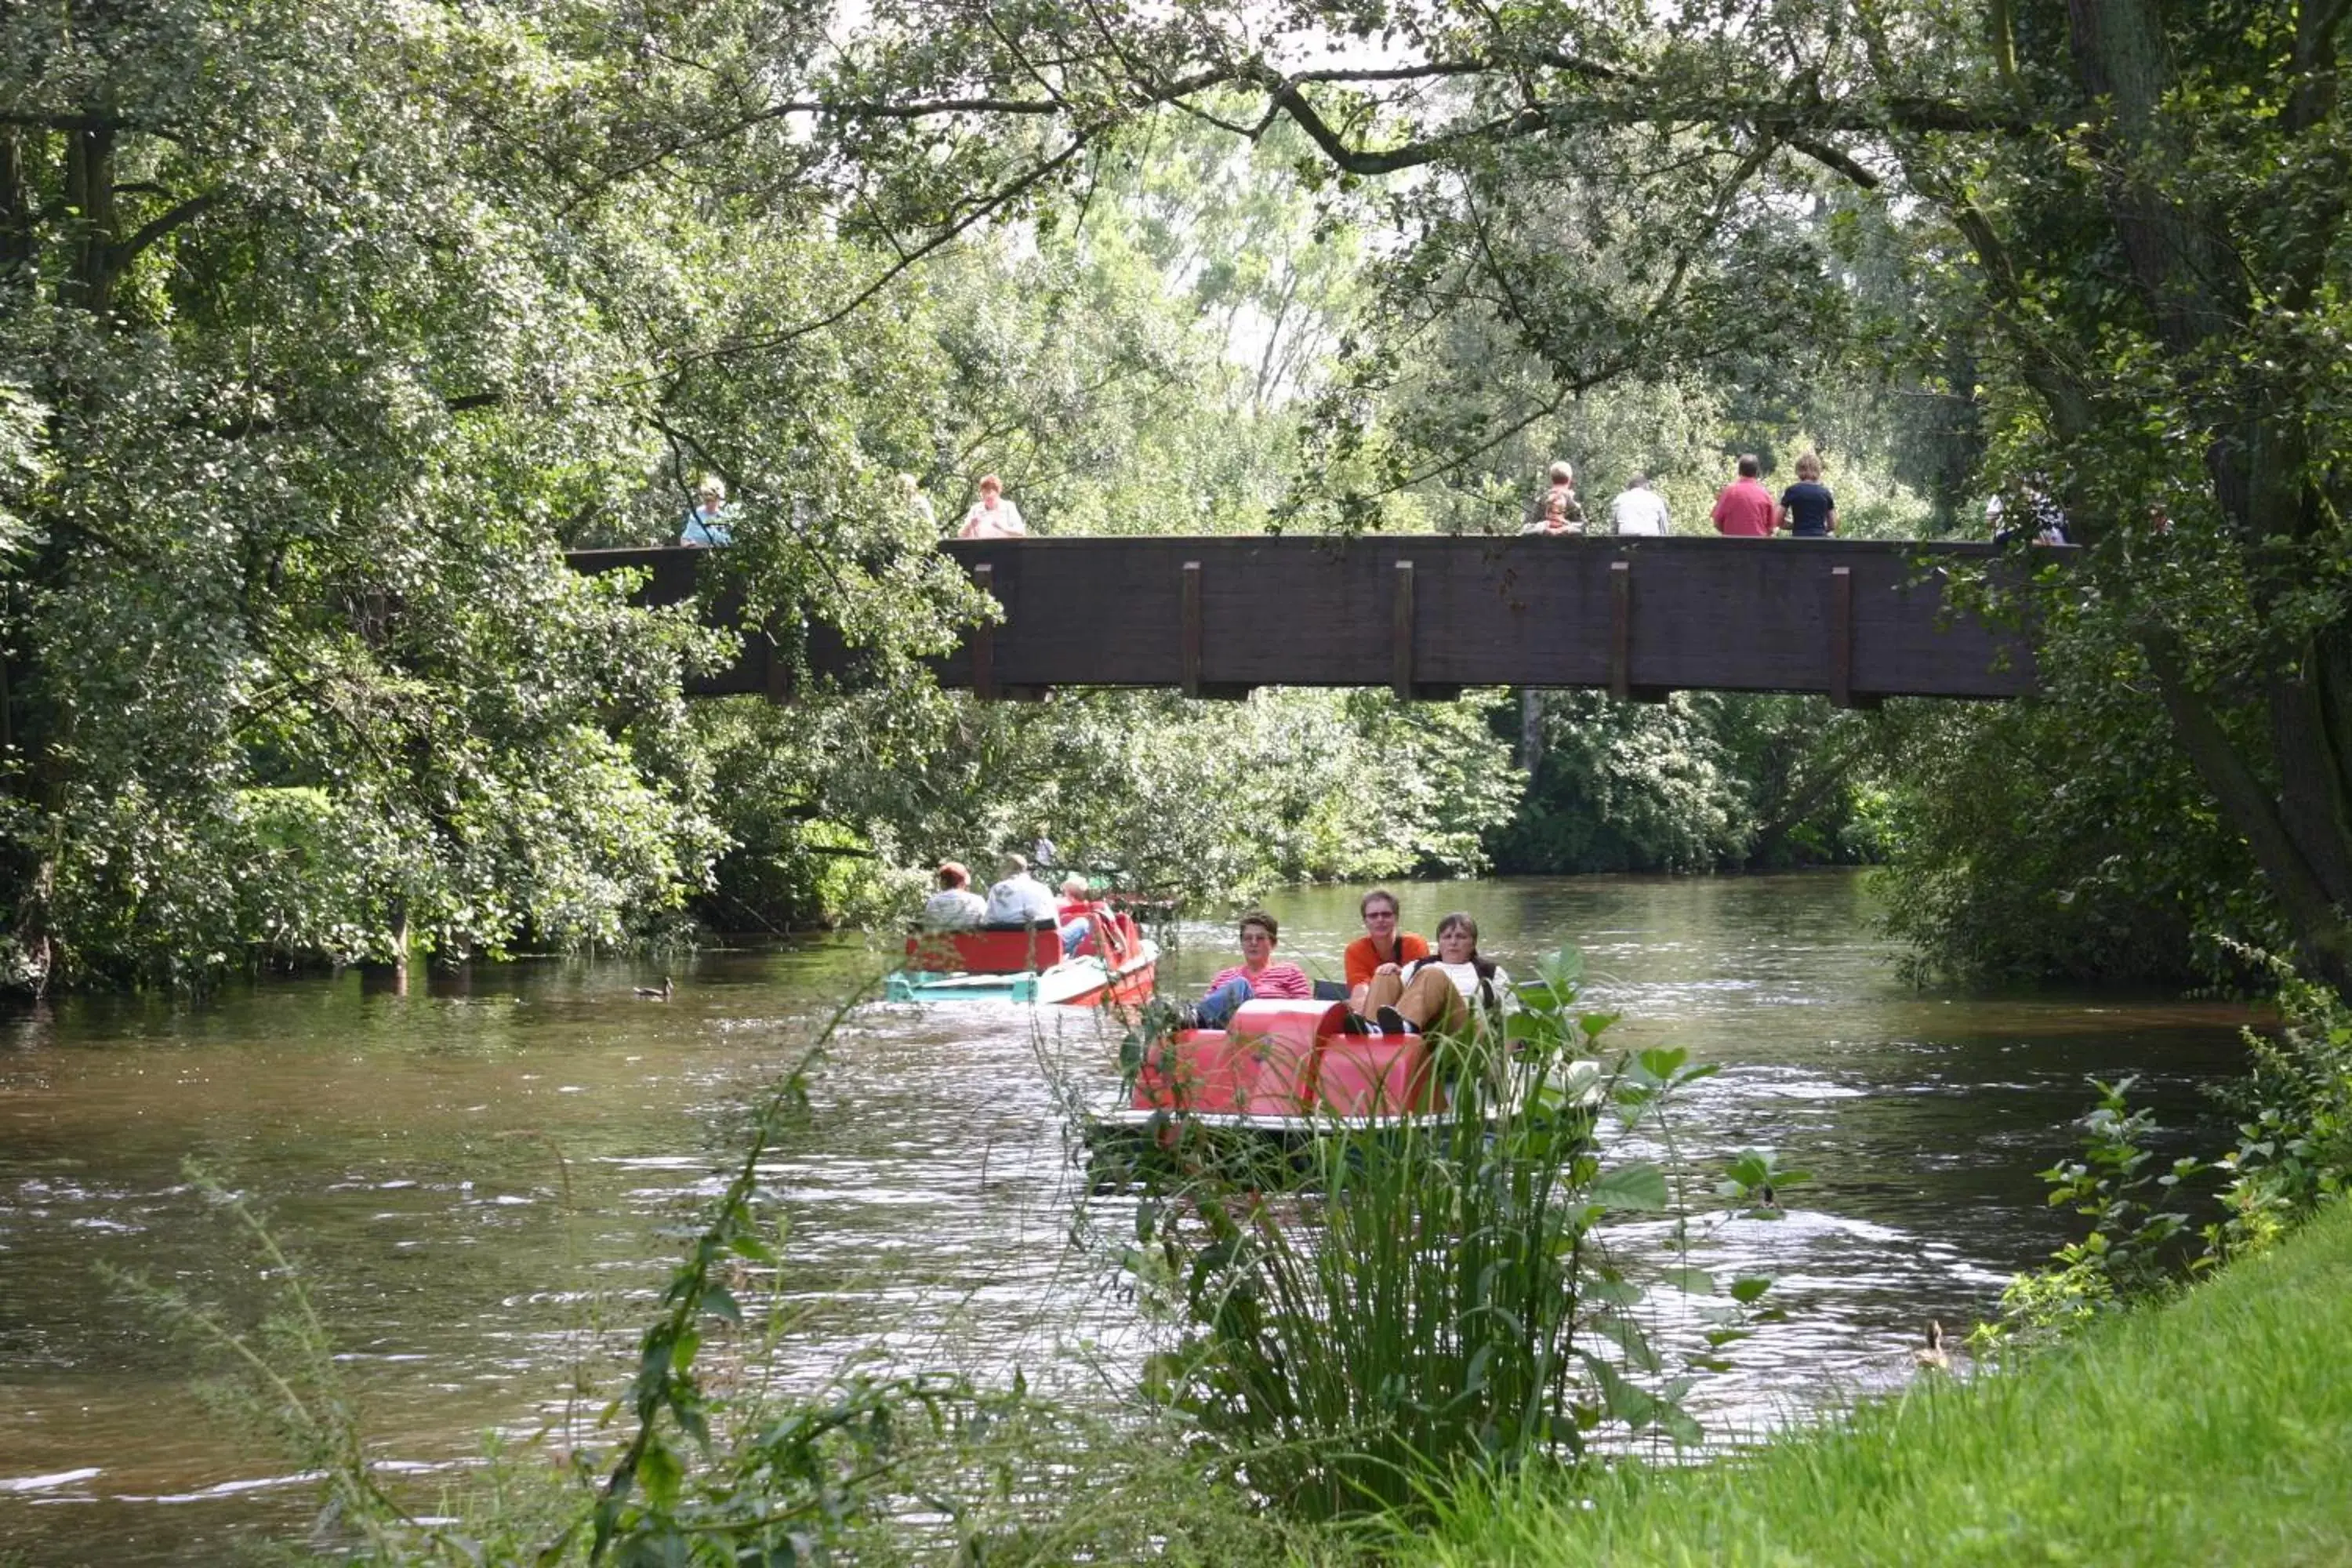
x=986, y=950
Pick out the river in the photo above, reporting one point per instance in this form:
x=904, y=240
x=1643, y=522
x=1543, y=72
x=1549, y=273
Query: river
x=487, y=1176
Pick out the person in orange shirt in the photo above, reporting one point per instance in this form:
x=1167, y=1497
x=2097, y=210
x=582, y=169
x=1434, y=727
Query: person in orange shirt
x=1382, y=949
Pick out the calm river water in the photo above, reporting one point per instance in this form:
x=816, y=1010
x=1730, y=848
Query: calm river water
x=488, y=1175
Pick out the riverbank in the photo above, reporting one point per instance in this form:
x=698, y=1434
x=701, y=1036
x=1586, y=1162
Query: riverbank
x=2211, y=1430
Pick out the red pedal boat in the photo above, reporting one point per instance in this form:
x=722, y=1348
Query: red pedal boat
x=1281, y=1068
x=1116, y=963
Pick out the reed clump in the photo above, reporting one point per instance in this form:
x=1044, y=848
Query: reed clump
x=1412, y=1300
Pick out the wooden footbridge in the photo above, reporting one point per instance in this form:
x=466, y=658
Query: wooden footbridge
x=1426, y=616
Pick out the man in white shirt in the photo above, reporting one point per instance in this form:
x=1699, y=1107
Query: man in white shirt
x=1639, y=510
x=955, y=907
x=1018, y=898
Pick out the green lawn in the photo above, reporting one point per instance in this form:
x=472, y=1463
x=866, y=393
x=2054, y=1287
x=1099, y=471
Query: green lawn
x=2218, y=1429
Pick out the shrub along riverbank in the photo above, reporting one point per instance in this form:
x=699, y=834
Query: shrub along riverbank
x=2212, y=1429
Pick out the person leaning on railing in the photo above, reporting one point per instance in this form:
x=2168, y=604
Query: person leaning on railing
x=705, y=524
x=993, y=516
x=1562, y=514
x=1555, y=509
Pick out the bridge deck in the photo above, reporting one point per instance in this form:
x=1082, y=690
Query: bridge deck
x=1428, y=615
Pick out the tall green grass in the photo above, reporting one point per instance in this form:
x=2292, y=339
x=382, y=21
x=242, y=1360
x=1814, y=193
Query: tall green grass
x=1435, y=1296
x=2215, y=1429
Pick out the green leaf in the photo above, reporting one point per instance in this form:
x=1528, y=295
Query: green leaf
x=1641, y=1188
x=1690, y=1282
x=659, y=1472
x=1681, y=1425
x=1660, y=1063
x=749, y=1244
x=1627, y=1336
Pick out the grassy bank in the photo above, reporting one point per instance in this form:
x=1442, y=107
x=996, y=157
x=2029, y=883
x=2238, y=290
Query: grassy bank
x=2213, y=1430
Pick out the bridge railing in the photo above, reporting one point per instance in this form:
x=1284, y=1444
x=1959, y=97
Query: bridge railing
x=1425, y=616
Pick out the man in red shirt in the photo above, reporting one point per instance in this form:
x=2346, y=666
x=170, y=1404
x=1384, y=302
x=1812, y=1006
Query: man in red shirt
x=1381, y=945
x=1744, y=510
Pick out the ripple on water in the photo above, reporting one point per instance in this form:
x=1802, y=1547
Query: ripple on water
x=553, y=1143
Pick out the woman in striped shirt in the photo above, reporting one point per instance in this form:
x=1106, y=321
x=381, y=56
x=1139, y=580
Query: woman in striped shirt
x=1255, y=977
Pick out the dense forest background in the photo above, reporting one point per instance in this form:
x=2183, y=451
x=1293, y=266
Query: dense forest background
x=326, y=325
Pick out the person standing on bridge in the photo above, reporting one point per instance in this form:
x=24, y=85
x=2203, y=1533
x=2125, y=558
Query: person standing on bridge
x=702, y=523
x=993, y=516
x=917, y=504
x=1745, y=508
x=1808, y=510
x=1561, y=515
x=1638, y=509
x=1557, y=498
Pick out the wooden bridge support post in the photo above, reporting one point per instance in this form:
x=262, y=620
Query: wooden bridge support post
x=983, y=639
x=1621, y=628
x=1189, y=661
x=1620, y=638
x=1841, y=636
x=1401, y=635
x=1841, y=623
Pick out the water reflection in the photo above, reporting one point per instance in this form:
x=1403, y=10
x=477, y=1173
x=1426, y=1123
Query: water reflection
x=489, y=1171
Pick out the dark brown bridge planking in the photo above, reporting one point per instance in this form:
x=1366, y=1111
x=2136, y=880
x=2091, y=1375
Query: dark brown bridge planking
x=1427, y=616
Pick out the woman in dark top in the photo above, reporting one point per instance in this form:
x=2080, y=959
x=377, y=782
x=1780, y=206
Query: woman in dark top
x=1807, y=508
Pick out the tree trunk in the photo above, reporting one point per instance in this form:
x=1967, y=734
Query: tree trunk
x=89, y=197
x=17, y=204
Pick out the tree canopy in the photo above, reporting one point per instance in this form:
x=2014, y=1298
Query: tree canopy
x=2125, y=219
x=324, y=325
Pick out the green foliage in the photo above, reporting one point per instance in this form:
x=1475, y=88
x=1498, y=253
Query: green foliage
x=2065, y=838
x=1204, y=800
x=1427, y=1300
x=2294, y=1153
x=2293, y=1157
x=2133, y=1204
x=2208, y=1430
x=22, y=468
x=1699, y=782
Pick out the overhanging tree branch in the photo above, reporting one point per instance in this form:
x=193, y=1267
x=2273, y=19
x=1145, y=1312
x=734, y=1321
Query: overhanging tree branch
x=155, y=229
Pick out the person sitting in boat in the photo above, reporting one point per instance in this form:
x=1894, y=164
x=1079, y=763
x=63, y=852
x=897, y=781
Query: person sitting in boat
x=955, y=907
x=1438, y=993
x=1255, y=978
x=1382, y=949
x=1019, y=898
x=1076, y=911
